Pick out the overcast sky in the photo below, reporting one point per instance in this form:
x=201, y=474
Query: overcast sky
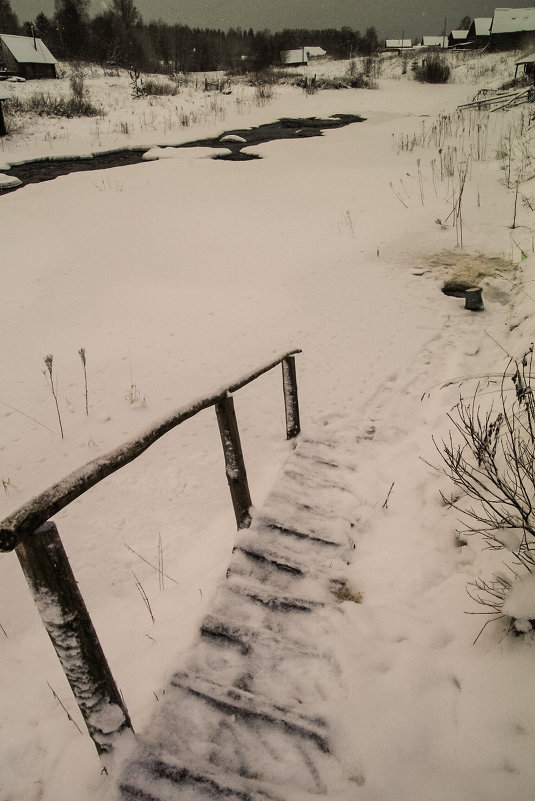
x=391, y=18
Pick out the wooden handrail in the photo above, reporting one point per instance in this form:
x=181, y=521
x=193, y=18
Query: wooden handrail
x=26, y=519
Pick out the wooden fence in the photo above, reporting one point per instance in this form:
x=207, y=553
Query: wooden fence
x=36, y=541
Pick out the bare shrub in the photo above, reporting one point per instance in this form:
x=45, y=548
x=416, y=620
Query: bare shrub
x=490, y=457
x=433, y=69
x=159, y=88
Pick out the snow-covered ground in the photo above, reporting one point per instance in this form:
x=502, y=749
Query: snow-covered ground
x=178, y=276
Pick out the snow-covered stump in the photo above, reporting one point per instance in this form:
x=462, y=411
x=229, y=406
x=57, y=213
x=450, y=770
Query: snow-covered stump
x=234, y=464
x=474, y=301
x=67, y=622
x=291, y=404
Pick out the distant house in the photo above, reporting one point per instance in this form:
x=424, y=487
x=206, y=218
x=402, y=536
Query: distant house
x=479, y=31
x=512, y=28
x=301, y=56
x=457, y=38
x=398, y=44
x=435, y=41
x=26, y=56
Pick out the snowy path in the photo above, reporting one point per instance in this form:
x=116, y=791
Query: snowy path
x=249, y=715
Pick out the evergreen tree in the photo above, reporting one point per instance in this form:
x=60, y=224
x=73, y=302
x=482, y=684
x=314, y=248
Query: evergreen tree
x=72, y=20
x=9, y=22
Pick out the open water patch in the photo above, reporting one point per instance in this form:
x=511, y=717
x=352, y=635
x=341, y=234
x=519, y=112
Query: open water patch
x=231, y=143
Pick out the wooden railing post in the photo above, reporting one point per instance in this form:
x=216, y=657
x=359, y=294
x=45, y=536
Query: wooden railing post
x=291, y=403
x=234, y=464
x=66, y=619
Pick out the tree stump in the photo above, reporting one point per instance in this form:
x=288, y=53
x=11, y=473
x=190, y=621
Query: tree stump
x=474, y=301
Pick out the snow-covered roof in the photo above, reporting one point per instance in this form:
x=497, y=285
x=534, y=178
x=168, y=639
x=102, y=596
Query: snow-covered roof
x=434, y=41
x=481, y=26
x=315, y=52
x=398, y=43
x=513, y=20
x=27, y=50
x=459, y=34
x=4, y=94
x=299, y=56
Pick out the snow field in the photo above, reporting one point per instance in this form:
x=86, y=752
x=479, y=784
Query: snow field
x=179, y=276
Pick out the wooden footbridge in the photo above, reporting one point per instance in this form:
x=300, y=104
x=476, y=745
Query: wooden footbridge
x=248, y=715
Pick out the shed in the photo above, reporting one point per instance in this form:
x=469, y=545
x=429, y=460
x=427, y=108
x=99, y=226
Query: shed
x=528, y=62
x=435, y=41
x=294, y=58
x=398, y=44
x=27, y=56
x=457, y=37
x=512, y=28
x=301, y=55
x=479, y=30
x=4, y=95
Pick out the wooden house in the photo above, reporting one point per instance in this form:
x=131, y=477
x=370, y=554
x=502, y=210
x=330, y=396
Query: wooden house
x=512, y=28
x=26, y=56
x=479, y=31
x=457, y=38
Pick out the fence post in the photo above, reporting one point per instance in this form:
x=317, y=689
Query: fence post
x=234, y=464
x=291, y=403
x=67, y=622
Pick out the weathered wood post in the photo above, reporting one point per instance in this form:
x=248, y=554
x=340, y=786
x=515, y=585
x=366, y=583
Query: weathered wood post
x=3, y=130
x=66, y=619
x=291, y=403
x=474, y=301
x=234, y=464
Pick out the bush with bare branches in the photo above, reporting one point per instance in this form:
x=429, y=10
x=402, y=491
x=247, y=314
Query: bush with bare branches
x=490, y=457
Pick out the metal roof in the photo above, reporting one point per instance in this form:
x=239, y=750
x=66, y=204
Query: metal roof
x=459, y=34
x=513, y=20
x=398, y=43
x=527, y=60
x=27, y=50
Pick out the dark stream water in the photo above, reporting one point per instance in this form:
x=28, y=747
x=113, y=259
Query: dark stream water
x=286, y=128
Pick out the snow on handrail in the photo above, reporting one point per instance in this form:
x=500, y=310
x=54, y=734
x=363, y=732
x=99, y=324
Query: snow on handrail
x=26, y=519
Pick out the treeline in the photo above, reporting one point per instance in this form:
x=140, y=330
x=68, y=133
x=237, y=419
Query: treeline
x=118, y=36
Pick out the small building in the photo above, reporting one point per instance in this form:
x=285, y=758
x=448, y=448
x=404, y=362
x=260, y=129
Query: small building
x=512, y=28
x=435, y=41
x=528, y=62
x=398, y=44
x=26, y=56
x=479, y=31
x=301, y=56
x=457, y=38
